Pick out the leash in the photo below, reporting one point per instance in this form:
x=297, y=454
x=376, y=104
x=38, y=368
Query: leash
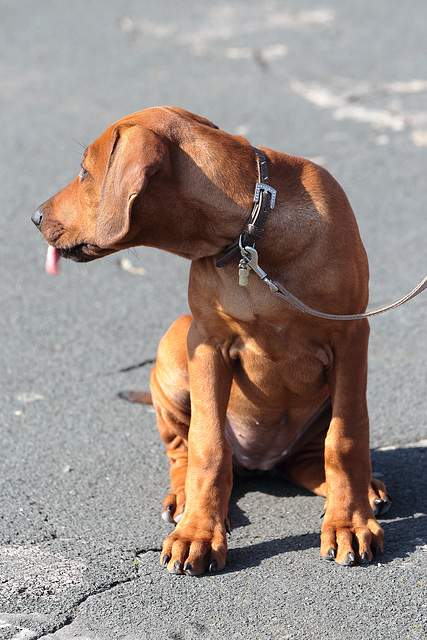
x=244, y=246
x=250, y=256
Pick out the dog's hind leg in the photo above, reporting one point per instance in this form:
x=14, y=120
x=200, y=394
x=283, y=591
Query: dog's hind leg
x=171, y=398
x=306, y=468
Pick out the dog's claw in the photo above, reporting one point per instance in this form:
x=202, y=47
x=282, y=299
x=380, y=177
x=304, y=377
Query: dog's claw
x=165, y=560
x=166, y=515
x=330, y=555
x=349, y=561
x=213, y=566
x=179, y=516
x=188, y=569
x=177, y=567
x=376, y=551
x=364, y=557
x=382, y=505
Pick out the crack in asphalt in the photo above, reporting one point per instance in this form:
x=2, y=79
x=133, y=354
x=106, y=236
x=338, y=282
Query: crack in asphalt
x=138, y=366
x=74, y=611
x=132, y=367
x=72, y=615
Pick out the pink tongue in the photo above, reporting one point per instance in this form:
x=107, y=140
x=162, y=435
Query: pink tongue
x=52, y=259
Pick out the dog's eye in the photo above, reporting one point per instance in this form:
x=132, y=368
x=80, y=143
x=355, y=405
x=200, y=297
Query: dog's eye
x=83, y=174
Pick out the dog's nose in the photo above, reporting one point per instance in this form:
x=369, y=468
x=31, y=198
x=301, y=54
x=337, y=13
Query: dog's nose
x=37, y=218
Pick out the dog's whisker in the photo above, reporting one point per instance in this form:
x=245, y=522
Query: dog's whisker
x=81, y=144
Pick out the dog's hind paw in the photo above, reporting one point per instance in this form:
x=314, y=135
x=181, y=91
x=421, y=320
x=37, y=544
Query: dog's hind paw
x=379, y=499
x=168, y=514
x=381, y=506
x=173, y=507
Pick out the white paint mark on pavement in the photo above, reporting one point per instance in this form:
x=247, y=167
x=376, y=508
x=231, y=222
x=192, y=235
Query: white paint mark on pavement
x=369, y=103
x=29, y=571
x=127, y=265
x=22, y=632
x=30, y=396
x=408, y=445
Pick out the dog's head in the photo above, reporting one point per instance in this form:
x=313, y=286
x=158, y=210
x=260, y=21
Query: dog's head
x=161, y=177
x=91, y=217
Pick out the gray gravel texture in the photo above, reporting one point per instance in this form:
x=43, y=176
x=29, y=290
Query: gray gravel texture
x=83, y=475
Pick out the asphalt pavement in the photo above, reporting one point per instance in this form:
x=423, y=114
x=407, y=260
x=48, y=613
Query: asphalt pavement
x=83, y=474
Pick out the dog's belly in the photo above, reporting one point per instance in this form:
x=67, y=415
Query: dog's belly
x=275, y=400
x=258, y=448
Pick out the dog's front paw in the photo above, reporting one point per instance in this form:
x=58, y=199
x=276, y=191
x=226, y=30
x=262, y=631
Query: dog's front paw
x=192, y=550
x=350, y=541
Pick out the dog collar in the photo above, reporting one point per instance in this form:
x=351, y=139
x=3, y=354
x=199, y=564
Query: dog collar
x=264, y=200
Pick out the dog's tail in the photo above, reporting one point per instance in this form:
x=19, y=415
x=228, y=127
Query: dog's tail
x=136, y=396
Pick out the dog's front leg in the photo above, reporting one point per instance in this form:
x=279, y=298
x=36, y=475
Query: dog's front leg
x=199, y=540
x=350, y=532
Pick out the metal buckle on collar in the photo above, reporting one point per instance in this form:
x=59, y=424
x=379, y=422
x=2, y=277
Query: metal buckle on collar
x=260, y=186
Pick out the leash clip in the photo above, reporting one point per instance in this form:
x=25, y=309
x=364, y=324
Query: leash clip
x=261, y=186
x=250, y=259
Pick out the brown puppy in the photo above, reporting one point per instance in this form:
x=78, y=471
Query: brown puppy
x=246, y=379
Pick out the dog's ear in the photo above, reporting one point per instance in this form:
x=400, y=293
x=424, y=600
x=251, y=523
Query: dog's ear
x=136, y=155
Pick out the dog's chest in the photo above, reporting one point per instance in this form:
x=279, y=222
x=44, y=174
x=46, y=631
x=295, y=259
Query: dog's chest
x=273, y=364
